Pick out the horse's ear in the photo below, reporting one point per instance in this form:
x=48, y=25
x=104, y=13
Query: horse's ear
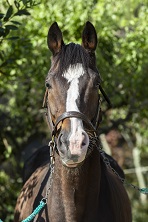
x=89, y=37
x=54, y=38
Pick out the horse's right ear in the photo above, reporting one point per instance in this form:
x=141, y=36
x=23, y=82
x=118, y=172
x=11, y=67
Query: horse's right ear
x=89, y=37
x=54, y=38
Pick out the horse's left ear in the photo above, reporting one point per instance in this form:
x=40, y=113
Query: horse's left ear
x=54, y=38
x=89, y=37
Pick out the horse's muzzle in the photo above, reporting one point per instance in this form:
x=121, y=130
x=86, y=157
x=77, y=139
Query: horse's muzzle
x=72, y=147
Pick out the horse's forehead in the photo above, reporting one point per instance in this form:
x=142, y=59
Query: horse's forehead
x=74, y=72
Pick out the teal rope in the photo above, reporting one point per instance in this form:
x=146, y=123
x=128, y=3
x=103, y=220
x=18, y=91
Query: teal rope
x=42, y=204
x=144, y=190
x=35, y=212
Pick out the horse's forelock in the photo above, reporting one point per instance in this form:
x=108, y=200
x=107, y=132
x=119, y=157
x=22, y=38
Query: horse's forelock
x=70, y=54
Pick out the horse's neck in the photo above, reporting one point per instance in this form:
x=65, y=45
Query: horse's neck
x=77, y=190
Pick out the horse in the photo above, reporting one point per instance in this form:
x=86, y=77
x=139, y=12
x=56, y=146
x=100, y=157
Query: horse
x=74, y=180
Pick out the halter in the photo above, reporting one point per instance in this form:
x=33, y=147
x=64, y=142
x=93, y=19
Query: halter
x=74, y=114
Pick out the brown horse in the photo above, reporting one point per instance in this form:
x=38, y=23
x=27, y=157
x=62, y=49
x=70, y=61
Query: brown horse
x=81, y=188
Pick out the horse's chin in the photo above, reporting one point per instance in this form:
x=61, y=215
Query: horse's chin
x=72, y=161
x=72, y=165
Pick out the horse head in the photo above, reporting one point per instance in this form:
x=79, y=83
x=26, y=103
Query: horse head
x=72, y=93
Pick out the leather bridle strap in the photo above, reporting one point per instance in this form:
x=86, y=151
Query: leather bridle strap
x=105, y=96
x=73, y=114
x=48, y=112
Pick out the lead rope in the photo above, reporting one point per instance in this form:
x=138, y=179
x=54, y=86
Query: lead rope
x=95, y=141
x=107, y=163
x=43, y=202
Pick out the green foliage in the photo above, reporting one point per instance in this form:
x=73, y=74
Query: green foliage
x=139, y=212
x=25, y=61
x=9, y=188
x=18, y=8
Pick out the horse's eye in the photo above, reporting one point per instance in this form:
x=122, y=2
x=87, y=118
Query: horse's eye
x=47, y=84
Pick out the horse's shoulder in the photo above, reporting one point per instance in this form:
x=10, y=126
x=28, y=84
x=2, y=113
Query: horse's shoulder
x=31, y=189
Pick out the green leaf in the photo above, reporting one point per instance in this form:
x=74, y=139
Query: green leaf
x=13, y=38
x=1, y=15
x=16, y=23
x=17, y=4
x=11, y=27
x=6, y=32
x=2, y=31
x=8, y=13
x=22, y=12
x=24, y=2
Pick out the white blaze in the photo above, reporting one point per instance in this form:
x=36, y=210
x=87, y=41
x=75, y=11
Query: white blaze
x=77, y=132
x=72, y=75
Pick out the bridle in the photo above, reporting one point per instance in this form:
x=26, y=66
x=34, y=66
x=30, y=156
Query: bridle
x=91, y=128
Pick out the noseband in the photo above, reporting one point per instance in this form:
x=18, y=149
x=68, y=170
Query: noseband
x=74, y=114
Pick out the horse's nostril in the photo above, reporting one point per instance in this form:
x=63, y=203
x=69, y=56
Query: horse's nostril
x=83, y=144
x=61, y=144
x=85, y=141
x=62, y=138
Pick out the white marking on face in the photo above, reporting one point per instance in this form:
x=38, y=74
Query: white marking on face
x=72, y=75
x=77, y=132
x=74, y=72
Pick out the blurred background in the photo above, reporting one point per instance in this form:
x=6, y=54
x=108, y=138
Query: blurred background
x=122, y=53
